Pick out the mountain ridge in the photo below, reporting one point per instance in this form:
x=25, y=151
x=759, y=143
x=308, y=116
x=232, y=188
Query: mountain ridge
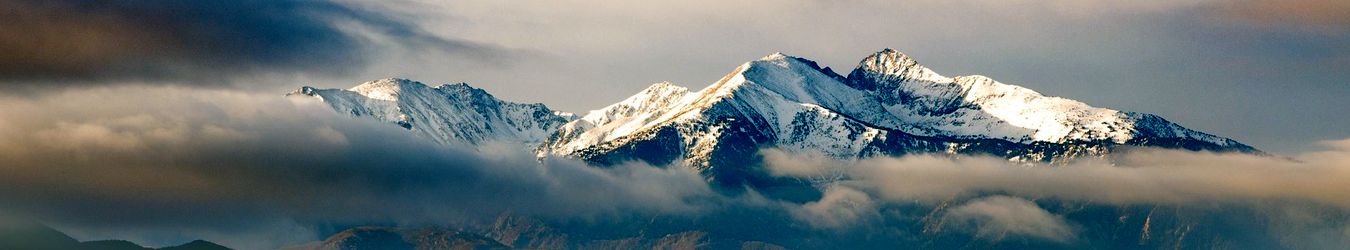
x=889, y=104
x=29, y=234
x=448, y=113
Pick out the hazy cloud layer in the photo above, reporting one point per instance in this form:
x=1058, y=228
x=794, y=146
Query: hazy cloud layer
x=225, y=163
x=1143, y=176
x=81, y=42
x=1302, y=200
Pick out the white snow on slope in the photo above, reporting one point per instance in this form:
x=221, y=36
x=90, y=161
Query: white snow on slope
x=791, y=100
x=980, y=107
x=787, y=94
x=449, y=113
x=905, y=96
x=621, y=119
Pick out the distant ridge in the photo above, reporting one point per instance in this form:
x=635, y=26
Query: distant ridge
x=29, y=235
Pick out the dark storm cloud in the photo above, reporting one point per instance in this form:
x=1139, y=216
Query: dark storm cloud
x=67, y=42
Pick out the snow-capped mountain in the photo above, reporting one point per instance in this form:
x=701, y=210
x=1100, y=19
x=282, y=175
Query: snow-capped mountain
x=617, y=120
x=926, y=103
x=777, y=101
x=888, y=105
x=449, y=113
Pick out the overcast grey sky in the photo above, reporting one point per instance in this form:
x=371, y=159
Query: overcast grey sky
x=1271, y=73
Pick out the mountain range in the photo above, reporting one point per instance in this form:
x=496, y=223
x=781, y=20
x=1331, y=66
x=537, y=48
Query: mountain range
x=31, y=235
x=888, y=105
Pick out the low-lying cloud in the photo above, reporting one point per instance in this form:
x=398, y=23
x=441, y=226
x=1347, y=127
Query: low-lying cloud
x=1000, y=216
x=839, y=207
x=1142, y=176
x=229, y=163
x=995, y=200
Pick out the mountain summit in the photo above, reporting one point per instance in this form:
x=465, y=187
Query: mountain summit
x=889, y=104
x=979, y=107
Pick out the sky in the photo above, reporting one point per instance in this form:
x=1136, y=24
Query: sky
x=107, y=101
x=1268, y=73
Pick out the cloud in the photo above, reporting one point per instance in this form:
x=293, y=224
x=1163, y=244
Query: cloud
x=839, y=207
x=1272, y=194
x=81, y=42
x=216, y=162
x=1143, y=176
x=803, y=164
x=1003, y=216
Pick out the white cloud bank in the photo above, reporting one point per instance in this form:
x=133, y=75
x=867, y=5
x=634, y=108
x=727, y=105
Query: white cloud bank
x=128, y=161
x=1141, y=176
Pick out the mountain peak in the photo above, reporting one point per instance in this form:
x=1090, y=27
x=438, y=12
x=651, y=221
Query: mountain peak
x=890, y=54
x=778, y=73
x=889, y=65
x=387, y=89
x=464, y=90
x=775, y=56
x=664, y=87
x=619, y=119
x=461, y=85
